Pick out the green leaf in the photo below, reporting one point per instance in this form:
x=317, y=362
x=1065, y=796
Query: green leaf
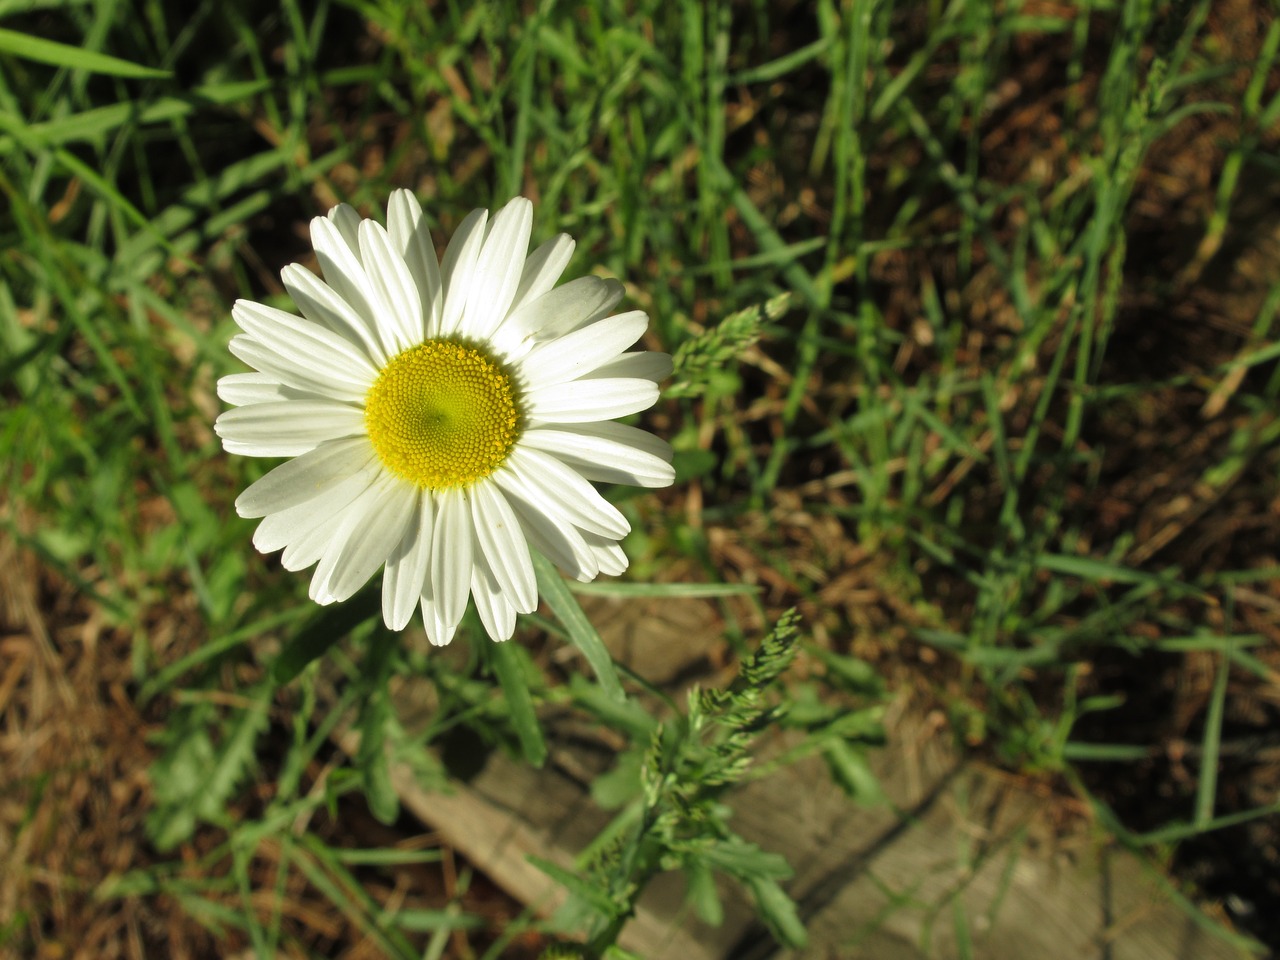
x=849, y=769
x=62, y=55
x=505, y=659
x=1092, y=570
x=590, y=894
x=322, y=868
x=382, y=857
x=849, y=673
x=583, y=635
x=673, y=591
x=194, y=778
x=778, y=911
x=135, y=883
x=238, y=755
x=427, y=921
x=745, y=860
x=322, y=632
x=163, y=679
x=628, y=716
x=702, y=894
x=620, y=785
x=375, y=719
x=10, y=7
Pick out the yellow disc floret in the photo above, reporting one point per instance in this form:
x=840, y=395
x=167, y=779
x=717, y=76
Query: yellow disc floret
x=442, y=414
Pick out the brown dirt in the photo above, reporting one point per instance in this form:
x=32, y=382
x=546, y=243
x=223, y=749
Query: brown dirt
x=75, y=751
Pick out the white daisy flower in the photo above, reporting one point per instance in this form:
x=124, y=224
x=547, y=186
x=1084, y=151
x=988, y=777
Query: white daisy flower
x=443, y=418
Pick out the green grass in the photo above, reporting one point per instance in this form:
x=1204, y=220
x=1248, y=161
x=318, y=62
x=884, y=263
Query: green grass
x=932, y=340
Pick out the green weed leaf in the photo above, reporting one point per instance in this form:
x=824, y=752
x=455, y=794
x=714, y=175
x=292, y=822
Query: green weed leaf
x=196, y=777
x=850, y=769
x=778, y=911
x=591, y=894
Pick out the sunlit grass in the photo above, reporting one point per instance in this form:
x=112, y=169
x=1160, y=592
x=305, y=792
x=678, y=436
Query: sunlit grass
x=889, y=311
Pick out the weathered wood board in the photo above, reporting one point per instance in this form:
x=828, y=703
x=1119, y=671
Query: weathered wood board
x=961, y=858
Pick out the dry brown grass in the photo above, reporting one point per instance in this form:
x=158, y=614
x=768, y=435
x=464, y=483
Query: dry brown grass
x=74, y=751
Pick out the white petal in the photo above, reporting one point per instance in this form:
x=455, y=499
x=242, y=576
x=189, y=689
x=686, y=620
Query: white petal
x=272, y=448
x=305, y=343
x=320, y=302
x=290, y=426
x=549, y=531
x=406, y=572
x=370, y=529
x=542, y=269
x=340, y=263
x=607, y=452
x=497, y=272
x=391, y=290
x=412, y=237
x=580, y=401
x=503, y=545
x=496, y=612
x=347, y=220
x=643, y=364
x=307, y=476
x=612, y=558
x=283, y=527
x=579, y=353
x=309, y=546
x=439, y=632
x=239, y=389
x=551, y=481
x=298, y=376
x=451, y=557
x=555, y=313
x=312, y=543
x=458, y=266
x=623, y=434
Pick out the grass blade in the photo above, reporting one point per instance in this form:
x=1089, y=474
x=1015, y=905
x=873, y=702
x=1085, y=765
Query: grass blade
x=583, y=635
x=61, y=55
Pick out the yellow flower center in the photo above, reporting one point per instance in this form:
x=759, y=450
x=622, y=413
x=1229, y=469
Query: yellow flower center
x=442, y=414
